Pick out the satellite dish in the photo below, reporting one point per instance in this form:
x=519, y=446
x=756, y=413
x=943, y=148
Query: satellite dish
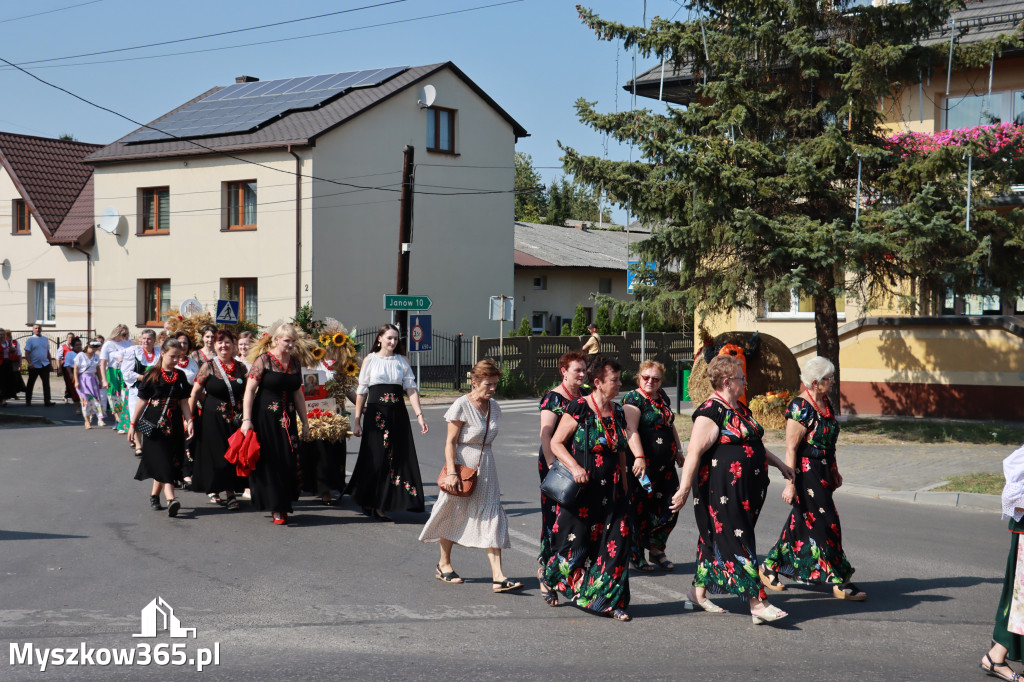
x=190, y=306
x=427, y=96
x=110, y=220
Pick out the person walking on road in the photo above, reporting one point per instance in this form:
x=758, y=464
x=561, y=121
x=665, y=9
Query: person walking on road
x=87, y=383
x=40, y=364
x=727, y=467
x=63, y=350
x=387, y=474
x=477, y=520
x=67, y=370
x=810, y=547
x=135, y=362
x=11, y=383
x=163, y=400
x=111, y=378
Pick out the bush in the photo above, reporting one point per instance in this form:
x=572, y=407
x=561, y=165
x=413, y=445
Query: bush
x=579, y=322
x=523, y=330
x=566, y=330
x=513, y=385
x=603, y=320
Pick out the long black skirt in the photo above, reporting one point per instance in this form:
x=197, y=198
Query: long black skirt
x=387, y=473
x=323, y=466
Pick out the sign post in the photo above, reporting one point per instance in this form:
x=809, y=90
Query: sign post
x=502, y=308
x=395, y=302
x=420, y=337
x=227, y=312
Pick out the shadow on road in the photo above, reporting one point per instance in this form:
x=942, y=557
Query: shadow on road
x=27, y=535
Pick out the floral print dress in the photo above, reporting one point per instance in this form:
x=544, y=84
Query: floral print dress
x=590, y=543
x=810, y=547
x=275, y=482
x=164, y=450
x=654, y=519
x=555, y=403
x=212, y=473
x=728, y=493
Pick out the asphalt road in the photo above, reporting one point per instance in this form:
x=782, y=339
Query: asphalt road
x=337, y=595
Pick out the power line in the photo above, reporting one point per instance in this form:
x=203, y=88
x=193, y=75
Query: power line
x=49, y=11
x=268, y=42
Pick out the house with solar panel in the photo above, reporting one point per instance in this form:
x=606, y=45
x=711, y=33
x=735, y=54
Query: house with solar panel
x=278, y=193
x=46, y=234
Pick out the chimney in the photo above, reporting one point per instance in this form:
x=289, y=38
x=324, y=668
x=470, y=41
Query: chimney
x=246, y=79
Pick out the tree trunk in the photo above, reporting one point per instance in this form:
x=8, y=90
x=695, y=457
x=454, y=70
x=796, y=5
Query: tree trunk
x=826, y=329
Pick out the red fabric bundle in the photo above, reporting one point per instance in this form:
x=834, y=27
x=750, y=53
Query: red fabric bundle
x=243, y=452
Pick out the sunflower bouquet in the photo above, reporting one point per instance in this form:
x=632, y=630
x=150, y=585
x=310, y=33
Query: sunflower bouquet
x=325, y=340
x=770, y=409
x=190, y=324
x=327, y=426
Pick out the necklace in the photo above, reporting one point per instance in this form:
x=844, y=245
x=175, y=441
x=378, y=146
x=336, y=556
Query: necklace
x=229, y=370
x=572, y=396
x=169, y=379
x=149, y=357
x=736, y=411
x=666, y=414
x=613, y=437
x=826, y=414
x=183, y=363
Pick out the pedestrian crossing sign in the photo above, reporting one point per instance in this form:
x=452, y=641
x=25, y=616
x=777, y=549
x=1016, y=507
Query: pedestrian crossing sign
x=227, y=312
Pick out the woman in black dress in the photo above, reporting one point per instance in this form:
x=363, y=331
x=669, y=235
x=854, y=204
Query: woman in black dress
x=649, y=414
x=590, y=541
x=274, y=407
x=727, y=466
x=810, y=547
x=222, y=382
x=387, y=474
x=163, y=400
x=573, y=368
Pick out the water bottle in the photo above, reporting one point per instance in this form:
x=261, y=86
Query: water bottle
x=645, y=481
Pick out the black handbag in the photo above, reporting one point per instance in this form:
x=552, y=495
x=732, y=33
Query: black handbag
x=148, y=428
x=559, y=485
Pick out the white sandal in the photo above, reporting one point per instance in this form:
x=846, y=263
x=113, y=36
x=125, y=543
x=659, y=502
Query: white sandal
x=692, y=603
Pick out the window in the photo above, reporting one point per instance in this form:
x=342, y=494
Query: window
x=45, y=304
x=245, y=292
x=789, y=305
x=537, y=321
x=604, y=285
x=20, y=216
x=441, y=130
x=965, y=111
x=241, y=205
x=540, y=283
x=154, y=210
x=157, y=301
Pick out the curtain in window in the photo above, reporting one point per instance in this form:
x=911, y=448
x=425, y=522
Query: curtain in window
x=444, y=123
x=46, y=301
x=164, y=210
x=250, y=203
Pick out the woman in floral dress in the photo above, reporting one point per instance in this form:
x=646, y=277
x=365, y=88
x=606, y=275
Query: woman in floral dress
x=163, y=401
x=727, y=467
x=573, y=368
x=110, y=375
x=274, y=407
x=387, y=474
x=221, y=382
x=649, y=414
x=590, y=542
x=810, y=547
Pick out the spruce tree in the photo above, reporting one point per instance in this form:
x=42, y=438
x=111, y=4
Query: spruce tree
x=603, y=320
x=579, y=322
x=753, y=185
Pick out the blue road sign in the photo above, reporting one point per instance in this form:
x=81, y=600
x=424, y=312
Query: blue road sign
x=631, y=274
x=420, y=337
x=227, y=312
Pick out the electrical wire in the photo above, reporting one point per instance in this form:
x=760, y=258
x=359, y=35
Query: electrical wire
x=49, y=11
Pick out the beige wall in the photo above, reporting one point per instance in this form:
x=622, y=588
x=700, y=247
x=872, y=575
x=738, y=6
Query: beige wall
x=33, y=258
x=462, y=244
x=566, y=289
x=197, y=255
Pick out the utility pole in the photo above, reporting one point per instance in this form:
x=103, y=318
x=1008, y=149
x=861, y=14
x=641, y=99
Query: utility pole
x=405, y=238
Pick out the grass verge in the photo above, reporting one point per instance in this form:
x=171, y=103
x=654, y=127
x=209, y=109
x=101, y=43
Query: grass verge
x=988, y=484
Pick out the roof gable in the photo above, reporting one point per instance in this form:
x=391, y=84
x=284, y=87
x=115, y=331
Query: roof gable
x=48, y=173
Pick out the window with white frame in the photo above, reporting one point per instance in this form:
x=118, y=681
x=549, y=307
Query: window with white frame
x=45, y=301
x=540, y=282
x=971, y=109
x=790, y=305
x=537, y=321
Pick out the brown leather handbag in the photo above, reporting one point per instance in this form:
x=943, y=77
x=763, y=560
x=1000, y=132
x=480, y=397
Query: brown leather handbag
x=467, y=475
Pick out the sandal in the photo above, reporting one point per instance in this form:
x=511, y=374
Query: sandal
x=506, y=585
x=215, y=498
x=550, y=596
x=692, y=602
x=642, y=565
x=620, y=615
x=849, y=592
x=232, y=504
x=662, y=561
x=991, y=669
x=770, y=579
x=769, y=615
x=447, y=577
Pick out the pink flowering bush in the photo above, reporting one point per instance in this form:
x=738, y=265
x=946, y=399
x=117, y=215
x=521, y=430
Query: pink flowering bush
x=994, y=139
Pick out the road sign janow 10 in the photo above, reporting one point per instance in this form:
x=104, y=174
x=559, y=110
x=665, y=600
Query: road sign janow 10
x=404, y=302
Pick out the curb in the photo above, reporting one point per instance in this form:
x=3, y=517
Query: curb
x=969, y=501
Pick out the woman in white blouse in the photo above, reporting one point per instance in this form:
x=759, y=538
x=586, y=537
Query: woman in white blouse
x=387, y=474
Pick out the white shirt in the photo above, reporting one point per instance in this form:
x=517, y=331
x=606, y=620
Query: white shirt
x=128, y=358
x=112, y=348
x=394, y=369
x=36, y=349
x=190, y=370
x=86, y=365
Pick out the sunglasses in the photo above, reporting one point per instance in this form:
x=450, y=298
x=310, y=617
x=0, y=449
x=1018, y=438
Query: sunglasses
x=648, y=377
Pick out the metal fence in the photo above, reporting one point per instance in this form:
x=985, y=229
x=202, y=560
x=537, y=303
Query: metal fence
x=55, y=338
x=444, y=366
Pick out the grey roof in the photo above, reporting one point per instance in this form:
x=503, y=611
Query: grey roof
x=980, y=20
x=551, y=245
x=300, y=128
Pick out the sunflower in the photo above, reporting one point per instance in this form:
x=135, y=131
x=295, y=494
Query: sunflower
x=318, y=353
x=325, y=339
x=352, y=368
x=340, y=339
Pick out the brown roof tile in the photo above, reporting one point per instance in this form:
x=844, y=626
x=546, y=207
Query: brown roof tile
x=48, y=173
x=77, y=228
x=299, y=128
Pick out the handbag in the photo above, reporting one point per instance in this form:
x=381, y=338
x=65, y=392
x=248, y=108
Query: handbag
x=467, y=475
x=148, y=428
x=559, y=485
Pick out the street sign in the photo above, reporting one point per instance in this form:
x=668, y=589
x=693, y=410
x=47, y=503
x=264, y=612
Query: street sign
x=502, y=308
x=420, y=333
x=404, y=302
x=645, y=277
x=227, y=312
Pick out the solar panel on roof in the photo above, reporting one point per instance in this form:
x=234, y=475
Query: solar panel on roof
x=242, y=107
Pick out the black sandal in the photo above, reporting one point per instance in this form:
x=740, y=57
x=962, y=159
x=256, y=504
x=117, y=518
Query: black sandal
x=448, y=577
x=620, y=615
x=770, y=579
x=662, y=561
x=990, y=671
x=642, y=565
x=232, y=504
x=550, y=596
x=849, y=592
x=506, y=585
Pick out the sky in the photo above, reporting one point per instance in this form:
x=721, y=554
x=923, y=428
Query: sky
x=533, y=57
